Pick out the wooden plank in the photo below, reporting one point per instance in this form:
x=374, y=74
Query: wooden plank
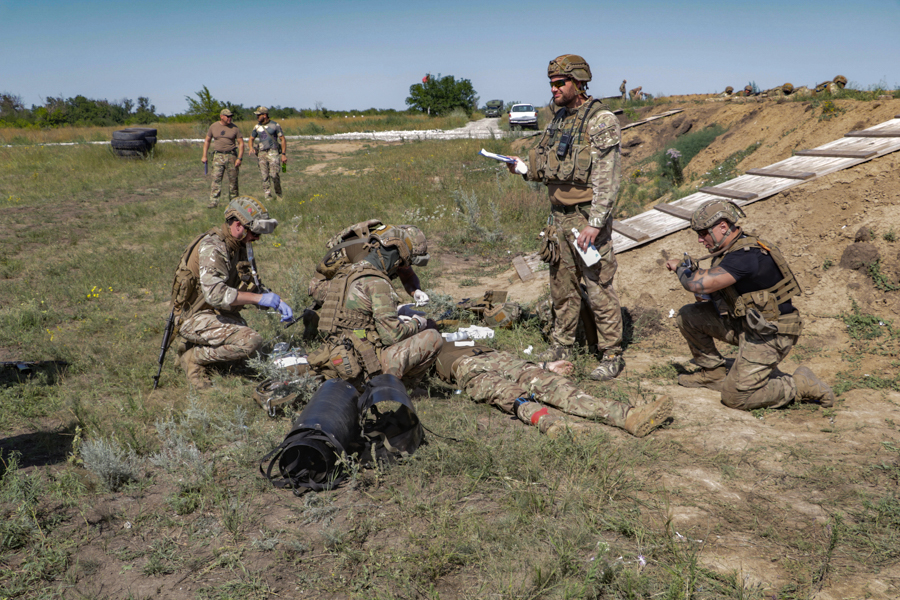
x=838, y=153
x=729, y=193
x=877, y=133
x=524, y=272
x=804, y=175
x=630, y=232
x=675, y=211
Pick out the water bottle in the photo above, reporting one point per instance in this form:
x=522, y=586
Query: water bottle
x=591, y=256
x=284, y=167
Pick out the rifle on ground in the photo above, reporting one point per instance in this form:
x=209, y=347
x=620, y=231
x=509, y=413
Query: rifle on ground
x=166, y=341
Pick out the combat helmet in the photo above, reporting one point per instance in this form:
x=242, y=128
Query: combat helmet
x=409, y=241
x=840, y=80
x=570, y=65
x=252, y=214
x=714, y=211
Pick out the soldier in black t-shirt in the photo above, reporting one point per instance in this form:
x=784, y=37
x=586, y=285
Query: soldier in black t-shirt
x=750, y=287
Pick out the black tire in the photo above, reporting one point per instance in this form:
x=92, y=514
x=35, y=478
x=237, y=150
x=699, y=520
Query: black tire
x=130, y=144
x=151, y=140
x=130, y=153
x=133, y=133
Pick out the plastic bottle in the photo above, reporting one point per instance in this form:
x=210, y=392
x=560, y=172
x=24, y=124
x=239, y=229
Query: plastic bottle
x=591, y=256
x=284, y=167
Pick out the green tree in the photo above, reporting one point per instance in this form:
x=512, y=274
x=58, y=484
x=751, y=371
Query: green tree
x=205, y=108
x=440, y=95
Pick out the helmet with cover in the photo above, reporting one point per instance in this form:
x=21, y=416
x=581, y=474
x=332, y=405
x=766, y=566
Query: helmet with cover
x=252, y=214
x=570, y=65
x=840, y=80
x=714, y=211
x=408, y=240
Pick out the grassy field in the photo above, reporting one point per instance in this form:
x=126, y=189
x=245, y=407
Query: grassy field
x=487, y=509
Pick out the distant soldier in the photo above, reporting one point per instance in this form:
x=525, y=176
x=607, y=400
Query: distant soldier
x=622, y=89
x=636, y=93
x=518, y=387
x=363, y=333
x=578, y=159
x=728, y=91
x=272, y=151
x=832, y=87
x=752, y=284
x=228, y=151
x=215, y=280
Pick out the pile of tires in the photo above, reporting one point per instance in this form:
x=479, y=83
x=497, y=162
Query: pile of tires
x=133, y=141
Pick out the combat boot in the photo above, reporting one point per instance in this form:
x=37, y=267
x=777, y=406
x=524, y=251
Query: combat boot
x=213, y=204
x=707, y=378
x=609, y=368
x=555, y=352
x=576, y=430
x=196, y=373
x=812, y=389
x=641, y=420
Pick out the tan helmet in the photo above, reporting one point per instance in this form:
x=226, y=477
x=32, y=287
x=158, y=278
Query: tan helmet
x=714, y=211
x=840, y=80
x=729, y=89
x=252, y=214
x=787, y=88
x=569, y=65
x=408, y=239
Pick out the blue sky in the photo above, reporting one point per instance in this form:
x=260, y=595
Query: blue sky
x=361, y=53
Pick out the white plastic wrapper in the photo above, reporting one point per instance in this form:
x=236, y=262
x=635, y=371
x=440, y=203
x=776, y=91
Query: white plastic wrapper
x=290, y=361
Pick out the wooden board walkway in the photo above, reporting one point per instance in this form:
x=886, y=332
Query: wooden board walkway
x=758, y=184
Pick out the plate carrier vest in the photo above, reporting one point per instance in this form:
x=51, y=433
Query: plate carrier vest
x=575, y=167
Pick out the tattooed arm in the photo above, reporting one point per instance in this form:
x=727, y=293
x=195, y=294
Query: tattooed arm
x=702, y=281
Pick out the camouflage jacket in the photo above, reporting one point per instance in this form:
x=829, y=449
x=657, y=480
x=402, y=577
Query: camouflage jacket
x=592, y=162
x=374, y=296
x=219, y=272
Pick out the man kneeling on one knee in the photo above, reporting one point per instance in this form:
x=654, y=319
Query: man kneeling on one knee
x=744, y=299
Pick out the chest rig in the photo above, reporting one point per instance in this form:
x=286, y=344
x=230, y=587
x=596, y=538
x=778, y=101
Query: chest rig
x=564, y=153
x=763, y=301
x=348, y=330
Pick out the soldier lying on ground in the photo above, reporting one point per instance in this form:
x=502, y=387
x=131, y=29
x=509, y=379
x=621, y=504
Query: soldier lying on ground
x=520, y=387
x=752, y=283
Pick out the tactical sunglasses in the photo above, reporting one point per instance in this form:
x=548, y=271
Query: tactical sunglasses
x=559, y=84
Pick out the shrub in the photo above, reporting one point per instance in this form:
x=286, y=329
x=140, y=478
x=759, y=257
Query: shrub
x=110, y=462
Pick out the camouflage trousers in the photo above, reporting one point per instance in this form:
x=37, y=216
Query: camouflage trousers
x=598, y=279
x=411, y=358
x=754, y=380
x=219, y=338
x=270, y=170
x=498, y=378
x=223, y=163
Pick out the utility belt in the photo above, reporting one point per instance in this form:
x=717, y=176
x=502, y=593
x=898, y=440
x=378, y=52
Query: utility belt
x=232, y=152
x=568, y=209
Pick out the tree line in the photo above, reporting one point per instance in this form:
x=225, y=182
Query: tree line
x=434, y=96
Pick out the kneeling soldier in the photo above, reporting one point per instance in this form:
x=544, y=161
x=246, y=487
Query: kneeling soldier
x=752, y=283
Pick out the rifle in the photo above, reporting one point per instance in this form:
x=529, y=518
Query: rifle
x=166, y=341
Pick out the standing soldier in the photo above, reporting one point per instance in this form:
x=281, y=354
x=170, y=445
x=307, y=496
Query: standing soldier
x=578, y=159
x=228, y=151
x=271, y=157
x=215, y=280
x=622, y=89
x=753, y=284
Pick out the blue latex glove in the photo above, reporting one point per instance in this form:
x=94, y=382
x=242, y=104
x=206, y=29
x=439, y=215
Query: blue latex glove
x=286, y=313
x=269, y=300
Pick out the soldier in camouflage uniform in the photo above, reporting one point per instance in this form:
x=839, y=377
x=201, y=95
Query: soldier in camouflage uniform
x=215, y=280
x=578, y=159
x=751, y=286
x=228, y=151
x=518, y=387
x=272, y=151
x=363, y=333
x=622, y=89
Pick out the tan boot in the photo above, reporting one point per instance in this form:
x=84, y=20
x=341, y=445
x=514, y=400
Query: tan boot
x=196, y=373
x=812, y=389
x=641, y=420
x=707, y=378
x=576, y=430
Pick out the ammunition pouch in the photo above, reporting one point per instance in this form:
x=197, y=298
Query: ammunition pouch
x=549, y=251
x=502, y=315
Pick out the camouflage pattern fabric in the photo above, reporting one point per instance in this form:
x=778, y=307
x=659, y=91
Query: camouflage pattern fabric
x=223, y=163
x=217, y=327
x=270, y=170
x=754, y=380
x=410, y=359
x=219, y=337
x=498, y=378
x=268, y=135
x=598, y=279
